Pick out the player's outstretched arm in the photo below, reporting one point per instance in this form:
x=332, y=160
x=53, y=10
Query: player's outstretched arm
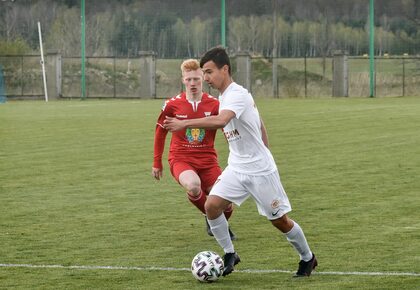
x=211, y=122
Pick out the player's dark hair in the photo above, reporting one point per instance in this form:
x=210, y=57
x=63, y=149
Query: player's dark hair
x=218, y=55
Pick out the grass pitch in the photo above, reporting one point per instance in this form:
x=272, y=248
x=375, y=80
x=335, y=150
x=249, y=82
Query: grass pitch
x=80, y=210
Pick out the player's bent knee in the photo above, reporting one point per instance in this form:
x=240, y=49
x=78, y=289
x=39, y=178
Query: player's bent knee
x=215, y=206
x=193, y=188
x=212, y=210
x=210, y=207
x=284, y=223
x=194, y=192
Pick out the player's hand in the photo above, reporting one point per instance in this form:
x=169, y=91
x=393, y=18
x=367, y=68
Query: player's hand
x=173, y=124
x=157, y=173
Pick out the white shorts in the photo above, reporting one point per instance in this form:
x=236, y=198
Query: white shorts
x=267, y=191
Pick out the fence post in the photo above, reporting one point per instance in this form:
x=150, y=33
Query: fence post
x=147, y=74
x=306, y=77
x=403, y=77
x=275, y=78
x=53, y=74
x=340, y=81
x=2, y=87
x=243, y=70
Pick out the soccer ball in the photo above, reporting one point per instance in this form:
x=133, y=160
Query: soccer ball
x=207, y=266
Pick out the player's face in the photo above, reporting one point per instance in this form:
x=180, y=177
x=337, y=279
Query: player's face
x=214, y=76
x=193, y=81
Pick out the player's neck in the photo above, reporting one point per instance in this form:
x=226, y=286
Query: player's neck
x=194, y=97
x=225, y=85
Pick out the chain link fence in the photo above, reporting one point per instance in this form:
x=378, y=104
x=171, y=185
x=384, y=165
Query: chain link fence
x=112, y=77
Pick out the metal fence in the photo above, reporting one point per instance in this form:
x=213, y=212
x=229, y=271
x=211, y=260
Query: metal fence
x=22, y=76
x=111, y=77
x=106, y=77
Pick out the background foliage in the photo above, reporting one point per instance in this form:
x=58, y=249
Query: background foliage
x=186, y=28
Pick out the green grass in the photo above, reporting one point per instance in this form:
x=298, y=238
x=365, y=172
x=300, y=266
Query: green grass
x=76, y=190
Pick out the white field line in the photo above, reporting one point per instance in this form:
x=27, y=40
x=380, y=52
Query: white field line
x=384, y=274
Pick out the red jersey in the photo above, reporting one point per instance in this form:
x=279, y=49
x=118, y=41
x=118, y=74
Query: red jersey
x=190, y=143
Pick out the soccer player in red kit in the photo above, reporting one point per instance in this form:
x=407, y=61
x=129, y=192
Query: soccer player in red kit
x=192, y=157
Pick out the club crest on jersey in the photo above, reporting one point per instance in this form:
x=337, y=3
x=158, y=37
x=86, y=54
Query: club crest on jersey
x=195, y=135
x=275, y=203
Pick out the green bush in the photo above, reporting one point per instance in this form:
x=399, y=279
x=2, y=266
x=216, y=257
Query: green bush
x=14, y=47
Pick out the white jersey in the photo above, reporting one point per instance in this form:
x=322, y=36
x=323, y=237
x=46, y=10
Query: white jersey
x=247, y=152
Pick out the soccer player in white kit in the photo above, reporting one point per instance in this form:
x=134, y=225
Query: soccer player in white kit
x=251, y=169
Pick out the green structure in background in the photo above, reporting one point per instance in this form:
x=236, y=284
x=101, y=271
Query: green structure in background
x=223, y=23
x=371, y=49
x=2, y=87
x=82, y=41
x=372, y=76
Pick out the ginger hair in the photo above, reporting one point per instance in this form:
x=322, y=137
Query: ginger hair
x=190, y=65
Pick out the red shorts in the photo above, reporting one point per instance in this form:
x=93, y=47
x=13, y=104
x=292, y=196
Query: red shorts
x=208, y=174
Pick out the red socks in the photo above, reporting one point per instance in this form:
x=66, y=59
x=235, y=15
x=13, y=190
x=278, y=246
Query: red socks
x=198, y=201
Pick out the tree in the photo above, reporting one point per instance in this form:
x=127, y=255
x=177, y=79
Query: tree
x=238, y=31
x=181, y=38
x=66, y=24
x=9, y=14
x=197, y=29
x=14, y=47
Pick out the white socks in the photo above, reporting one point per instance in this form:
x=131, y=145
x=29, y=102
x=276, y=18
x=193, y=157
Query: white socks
x=220, y=229
x=297, y=238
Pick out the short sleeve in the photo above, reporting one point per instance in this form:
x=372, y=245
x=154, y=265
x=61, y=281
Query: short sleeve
x=235, y=101
x=166, y=111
